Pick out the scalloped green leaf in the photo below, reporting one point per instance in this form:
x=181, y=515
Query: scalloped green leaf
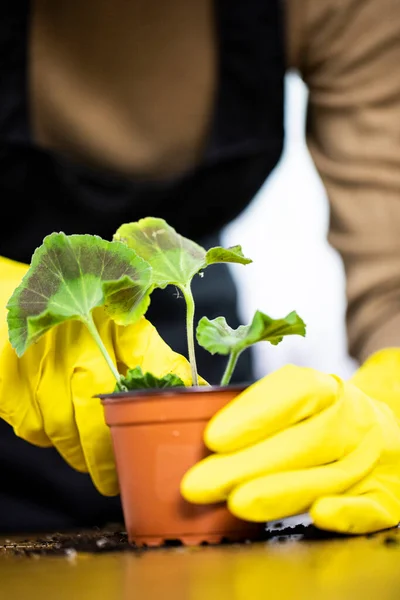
x=135, y=379
x=174, y=259
x=71, y=275
x=218, y=337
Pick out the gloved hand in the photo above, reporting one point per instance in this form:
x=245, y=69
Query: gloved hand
x=299, y=440
x=47, y=395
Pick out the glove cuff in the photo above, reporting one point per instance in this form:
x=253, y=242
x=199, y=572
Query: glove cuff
x=379, y=378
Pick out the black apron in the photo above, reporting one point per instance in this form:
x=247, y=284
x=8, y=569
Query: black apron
x=42, y=192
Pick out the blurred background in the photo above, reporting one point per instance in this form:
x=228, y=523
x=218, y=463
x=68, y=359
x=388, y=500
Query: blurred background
x=284, y=231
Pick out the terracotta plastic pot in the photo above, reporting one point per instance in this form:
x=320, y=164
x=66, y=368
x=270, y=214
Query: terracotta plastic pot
x=157, y=436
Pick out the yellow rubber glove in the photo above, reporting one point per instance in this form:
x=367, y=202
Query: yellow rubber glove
x=299, y=440
x=47, y=395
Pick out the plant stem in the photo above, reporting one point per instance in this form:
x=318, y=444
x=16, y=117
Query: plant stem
x=187, y=293
x=230, y=367
x=96, y=336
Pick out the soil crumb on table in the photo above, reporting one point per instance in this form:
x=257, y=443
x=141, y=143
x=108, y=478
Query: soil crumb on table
x=99, y=541
x=68, y=545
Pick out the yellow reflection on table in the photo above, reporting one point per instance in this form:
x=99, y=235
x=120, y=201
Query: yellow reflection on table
x=341, y=569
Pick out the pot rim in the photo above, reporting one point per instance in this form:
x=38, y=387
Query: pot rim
x=172, y=391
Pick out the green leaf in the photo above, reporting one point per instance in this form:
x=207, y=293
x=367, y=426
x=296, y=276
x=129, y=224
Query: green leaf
x=218, y=338
x=227, y=255
x=71, y=275
x=174, y=259
x=135, y=379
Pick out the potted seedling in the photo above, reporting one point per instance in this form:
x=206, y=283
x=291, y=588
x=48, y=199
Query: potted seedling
x=157, y=424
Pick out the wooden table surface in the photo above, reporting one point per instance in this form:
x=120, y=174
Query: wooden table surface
x=339, y=569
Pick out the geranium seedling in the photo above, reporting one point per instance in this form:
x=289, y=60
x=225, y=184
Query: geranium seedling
x=71, y=275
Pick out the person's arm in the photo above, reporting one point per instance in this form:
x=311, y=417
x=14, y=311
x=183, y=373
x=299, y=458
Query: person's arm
x=299, y=440
x=348, y=53
x=48, y=395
